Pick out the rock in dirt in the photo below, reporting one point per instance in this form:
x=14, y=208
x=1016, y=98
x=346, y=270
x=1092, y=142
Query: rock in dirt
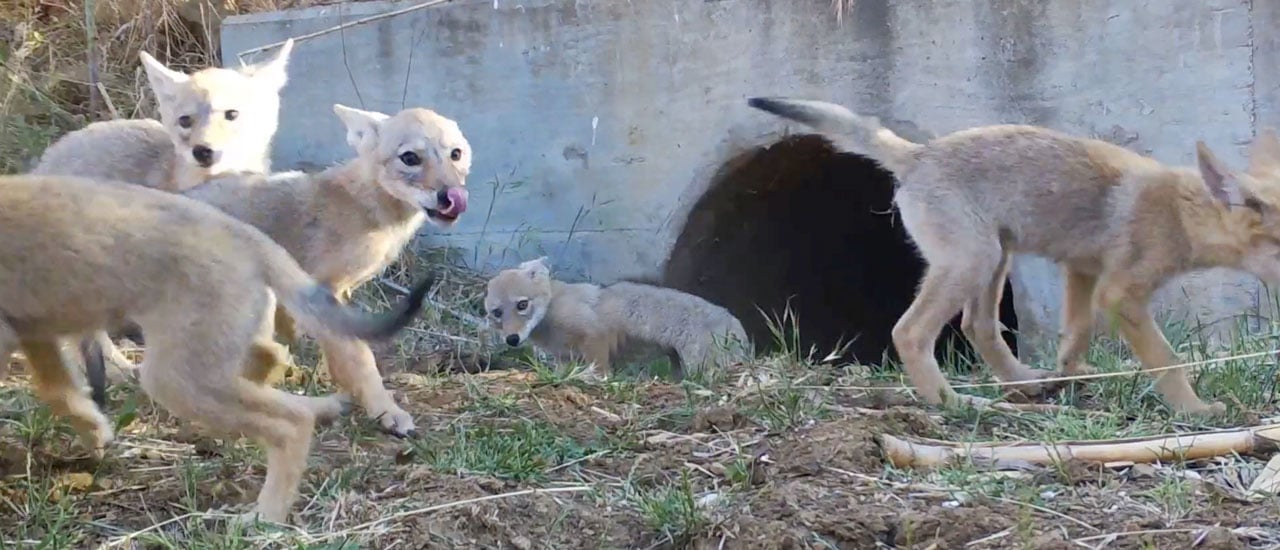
x=723, y=418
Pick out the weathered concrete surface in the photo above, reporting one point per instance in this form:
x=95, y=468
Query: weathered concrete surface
x=596, y=123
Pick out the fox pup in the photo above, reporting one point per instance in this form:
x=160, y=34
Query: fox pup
x=593, y=322
x=202, y=295
x=347, y=223
x=214, y=121
x=1120, y=224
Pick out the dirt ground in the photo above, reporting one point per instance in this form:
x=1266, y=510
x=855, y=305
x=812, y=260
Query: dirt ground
x=777, y=457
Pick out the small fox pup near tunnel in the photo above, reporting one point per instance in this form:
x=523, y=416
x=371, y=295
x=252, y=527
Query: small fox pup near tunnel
x=1120, y=224
x=213, y=121
x=592, y=322
x=349, y=222
x=81, y=255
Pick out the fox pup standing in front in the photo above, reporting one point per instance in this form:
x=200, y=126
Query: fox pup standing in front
x=349, y=222
x=214, y=121
x=592, y=322
x=81, y=255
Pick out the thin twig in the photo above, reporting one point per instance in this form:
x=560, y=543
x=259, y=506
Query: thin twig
x=467, y=317
x=1056, y=378
x=343, y=26
x=154, y=527
x=1048, y=511
x=106, y=98
x=91, y=51
x=438, y=507
x=1132, y=533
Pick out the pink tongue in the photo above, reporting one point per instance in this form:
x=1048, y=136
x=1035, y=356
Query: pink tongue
x=457, y=201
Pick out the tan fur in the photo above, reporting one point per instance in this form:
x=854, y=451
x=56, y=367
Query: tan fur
x=83, y=255
x=1120, y=225
x=347, y=223
x=158, y=153
x=591, y=322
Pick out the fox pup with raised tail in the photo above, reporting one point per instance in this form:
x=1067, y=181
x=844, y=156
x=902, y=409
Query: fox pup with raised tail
x=1120, y=224
x=214, y=121
x=347, y=223
x=81, y=256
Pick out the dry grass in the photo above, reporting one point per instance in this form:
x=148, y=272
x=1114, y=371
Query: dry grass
x=45, y=87
x=518, y=452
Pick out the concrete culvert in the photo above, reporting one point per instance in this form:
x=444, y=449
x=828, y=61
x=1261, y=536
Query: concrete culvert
x=798, y=220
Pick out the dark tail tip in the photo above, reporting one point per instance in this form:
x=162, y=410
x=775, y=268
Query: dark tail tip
x=404, y=313
x=95, y=369
x=767, y=104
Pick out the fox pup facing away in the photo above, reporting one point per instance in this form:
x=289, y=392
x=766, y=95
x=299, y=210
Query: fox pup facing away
x=347, y=223
x=214, y=121
x=591, y=322
x=1120, y=225
x=199, y=283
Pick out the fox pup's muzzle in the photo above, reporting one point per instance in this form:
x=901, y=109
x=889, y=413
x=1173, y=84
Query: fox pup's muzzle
x=451, y=202
x=203, y=155
x=513, y=340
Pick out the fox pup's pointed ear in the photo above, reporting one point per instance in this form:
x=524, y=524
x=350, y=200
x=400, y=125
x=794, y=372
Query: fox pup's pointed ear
x=274, y=74
x=362, y=127
x=1221, y=183
x=161, y=78
x=536, y=267
x=1264, y=155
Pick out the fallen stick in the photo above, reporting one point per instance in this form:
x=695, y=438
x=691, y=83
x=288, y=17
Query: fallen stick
x=1003, y=455
x=984, y=403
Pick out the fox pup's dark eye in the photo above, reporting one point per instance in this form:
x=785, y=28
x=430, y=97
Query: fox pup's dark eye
x=184, y=121
x=410, y=158
x=455, y=155
x=1253, y=204
x=231, y=114
x=497, y=313
x=522, y=305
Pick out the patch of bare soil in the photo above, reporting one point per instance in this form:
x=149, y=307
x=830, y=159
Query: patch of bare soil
x=509, y=460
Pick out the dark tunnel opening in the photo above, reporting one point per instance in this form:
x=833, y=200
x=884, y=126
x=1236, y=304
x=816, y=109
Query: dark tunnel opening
x=800, y=220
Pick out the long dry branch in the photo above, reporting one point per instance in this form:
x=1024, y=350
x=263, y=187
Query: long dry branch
x=1190, y=446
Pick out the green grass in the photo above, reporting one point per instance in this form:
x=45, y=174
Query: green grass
x=671, y=510
x=646, y=464
x=522, y=451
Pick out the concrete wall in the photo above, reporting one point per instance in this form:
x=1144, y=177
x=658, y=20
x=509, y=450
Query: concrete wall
x=597, y=123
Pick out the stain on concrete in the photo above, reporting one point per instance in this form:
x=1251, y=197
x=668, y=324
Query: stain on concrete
x=526, y=79
x=576, y=152
x=874, y=28
x=1012, y=39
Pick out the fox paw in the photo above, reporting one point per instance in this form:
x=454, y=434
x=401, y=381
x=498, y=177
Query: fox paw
x=396, y=422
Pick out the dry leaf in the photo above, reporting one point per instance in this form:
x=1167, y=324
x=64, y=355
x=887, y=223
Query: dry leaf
x=66, y=483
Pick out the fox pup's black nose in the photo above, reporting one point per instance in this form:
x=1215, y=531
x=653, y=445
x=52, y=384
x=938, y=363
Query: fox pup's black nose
x=203, y=155
x=513, y=340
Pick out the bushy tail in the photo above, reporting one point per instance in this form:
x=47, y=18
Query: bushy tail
x=315, y=307
x=95, y=368
x=311, y=304
x=858, y=134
